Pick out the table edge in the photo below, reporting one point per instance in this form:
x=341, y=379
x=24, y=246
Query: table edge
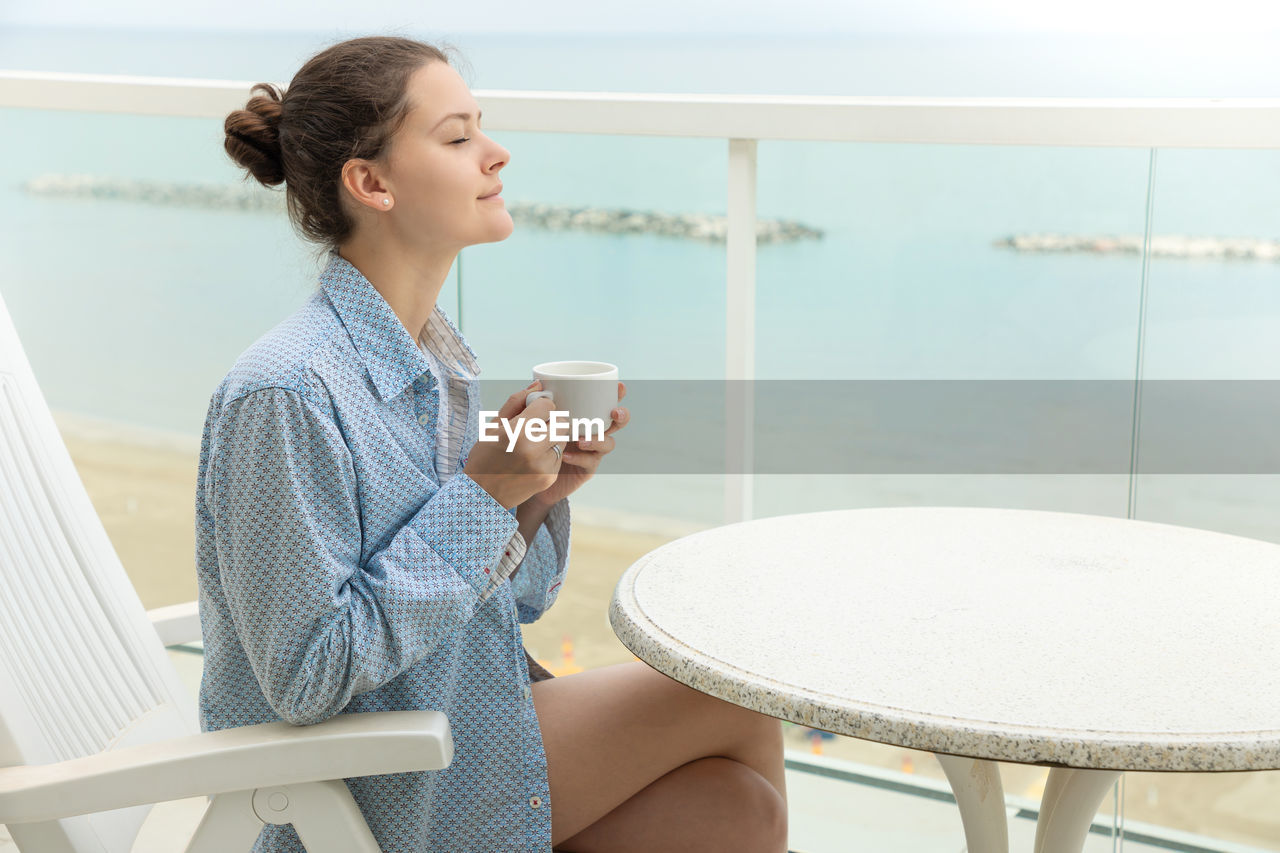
x=1207, y=752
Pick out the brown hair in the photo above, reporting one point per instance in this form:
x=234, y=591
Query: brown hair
x=345, y=102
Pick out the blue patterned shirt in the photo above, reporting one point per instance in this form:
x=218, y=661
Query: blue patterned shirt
x=338, y=574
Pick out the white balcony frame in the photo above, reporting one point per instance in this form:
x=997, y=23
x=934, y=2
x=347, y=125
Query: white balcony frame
x=742, y=120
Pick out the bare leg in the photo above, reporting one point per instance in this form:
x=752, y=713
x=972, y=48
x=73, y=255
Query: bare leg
x=610, y=733
x=712, y=804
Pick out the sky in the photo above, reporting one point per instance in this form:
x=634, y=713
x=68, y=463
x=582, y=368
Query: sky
x=1162, y=18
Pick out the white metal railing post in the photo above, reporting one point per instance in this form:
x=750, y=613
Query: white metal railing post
x=740, y=331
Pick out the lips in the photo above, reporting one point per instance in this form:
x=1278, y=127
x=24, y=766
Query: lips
x=495, y=192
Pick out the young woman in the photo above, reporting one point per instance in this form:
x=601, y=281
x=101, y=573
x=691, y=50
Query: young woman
x=359, y=550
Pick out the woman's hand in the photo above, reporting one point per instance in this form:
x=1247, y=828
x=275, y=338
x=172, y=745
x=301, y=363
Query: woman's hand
x=581, y=459
x=528, y=468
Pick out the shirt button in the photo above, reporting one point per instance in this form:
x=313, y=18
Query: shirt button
x=536, y=802
x=528, y=691
x=424, y=419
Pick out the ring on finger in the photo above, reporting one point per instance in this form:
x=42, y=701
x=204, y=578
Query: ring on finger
x=559, y=451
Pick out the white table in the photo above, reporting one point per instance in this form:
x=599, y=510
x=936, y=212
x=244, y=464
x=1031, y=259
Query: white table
x=1091, y=644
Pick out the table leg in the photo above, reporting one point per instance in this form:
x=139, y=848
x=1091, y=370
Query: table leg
x=1071, y=799
x=980, y=797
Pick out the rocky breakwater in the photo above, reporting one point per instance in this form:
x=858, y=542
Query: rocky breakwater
x=247, y=197
x=1163, y=246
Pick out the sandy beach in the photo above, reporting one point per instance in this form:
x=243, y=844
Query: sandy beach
x=143, y=487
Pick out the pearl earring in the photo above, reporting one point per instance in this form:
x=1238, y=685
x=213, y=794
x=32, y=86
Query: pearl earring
x=386, y=201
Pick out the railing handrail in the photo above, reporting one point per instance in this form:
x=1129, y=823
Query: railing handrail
x=1109, y=122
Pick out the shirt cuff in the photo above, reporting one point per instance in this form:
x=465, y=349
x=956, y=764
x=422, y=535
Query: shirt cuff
x=507, y=563
x=467, y=528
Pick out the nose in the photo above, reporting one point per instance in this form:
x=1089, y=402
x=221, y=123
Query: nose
x=504, y=156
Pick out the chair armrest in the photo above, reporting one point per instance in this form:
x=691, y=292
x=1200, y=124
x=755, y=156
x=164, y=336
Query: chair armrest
x=177, y=623
x=237, y=759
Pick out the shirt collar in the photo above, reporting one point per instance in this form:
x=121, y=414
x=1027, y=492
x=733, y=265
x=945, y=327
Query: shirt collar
x=442, y=341
x=390, y=355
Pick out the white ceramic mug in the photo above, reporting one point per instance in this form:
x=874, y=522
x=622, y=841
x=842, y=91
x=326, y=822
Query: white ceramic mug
x=585, y=389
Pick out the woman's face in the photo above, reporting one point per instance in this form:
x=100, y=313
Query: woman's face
x=439, y=165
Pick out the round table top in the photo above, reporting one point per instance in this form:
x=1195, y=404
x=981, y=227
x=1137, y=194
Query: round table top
x=1013, y=635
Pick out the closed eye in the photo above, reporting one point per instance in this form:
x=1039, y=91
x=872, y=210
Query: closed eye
x=456, y=141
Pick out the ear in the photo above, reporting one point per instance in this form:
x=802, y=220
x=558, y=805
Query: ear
x=364, y=183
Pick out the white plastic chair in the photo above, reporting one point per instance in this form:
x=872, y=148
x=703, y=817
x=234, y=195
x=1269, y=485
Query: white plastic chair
x=95, y=723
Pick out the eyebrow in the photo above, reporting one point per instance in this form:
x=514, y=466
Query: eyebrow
x=463, y=116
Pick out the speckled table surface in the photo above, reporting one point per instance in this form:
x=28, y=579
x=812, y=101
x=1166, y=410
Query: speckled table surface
x=1011, y=635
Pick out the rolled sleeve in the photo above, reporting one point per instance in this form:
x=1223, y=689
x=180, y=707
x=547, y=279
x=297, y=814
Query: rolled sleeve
x=317, y=626
x=541, y=574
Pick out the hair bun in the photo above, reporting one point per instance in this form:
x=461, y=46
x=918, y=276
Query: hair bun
x=253, y=135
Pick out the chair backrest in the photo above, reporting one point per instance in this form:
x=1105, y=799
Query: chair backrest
x=82, y=670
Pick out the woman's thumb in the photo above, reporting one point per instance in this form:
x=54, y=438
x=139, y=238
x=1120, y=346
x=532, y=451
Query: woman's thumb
x=515, y=403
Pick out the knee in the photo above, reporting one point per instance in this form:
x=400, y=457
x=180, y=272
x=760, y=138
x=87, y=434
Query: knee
x=761, y=812
x=772, y=820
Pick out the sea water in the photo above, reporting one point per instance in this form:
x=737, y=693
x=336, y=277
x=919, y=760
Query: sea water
x=133, y=312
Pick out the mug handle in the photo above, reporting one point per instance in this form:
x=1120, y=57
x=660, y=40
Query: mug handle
x=536, y=395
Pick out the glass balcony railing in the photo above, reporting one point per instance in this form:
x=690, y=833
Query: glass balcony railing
x=898, y=241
